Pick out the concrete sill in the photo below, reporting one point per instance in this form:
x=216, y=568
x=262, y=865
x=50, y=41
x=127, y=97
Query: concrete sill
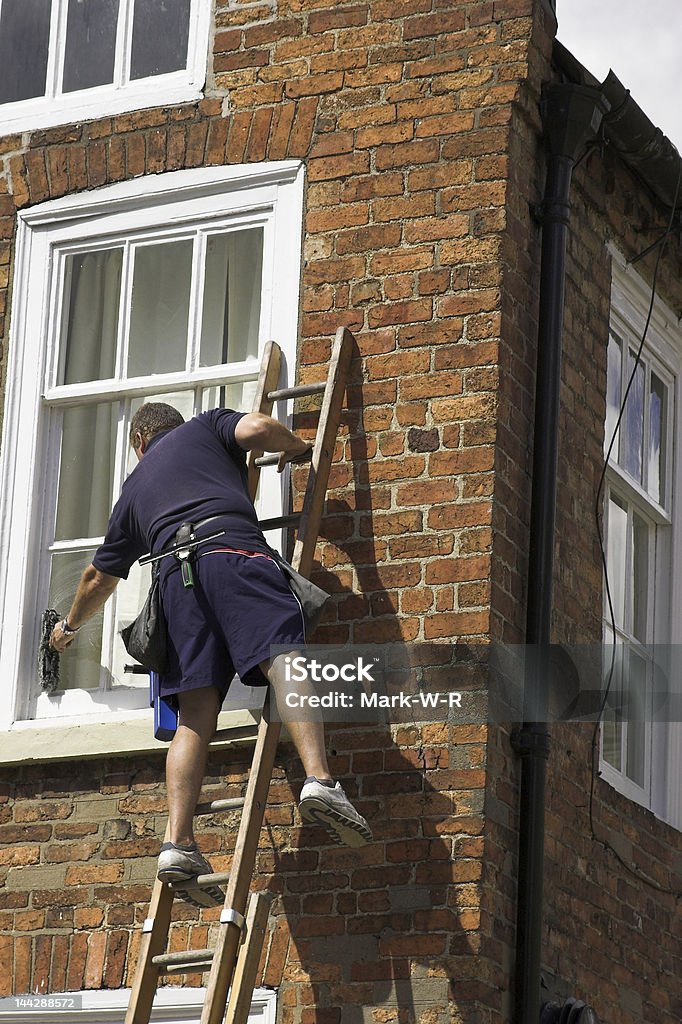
x=124, y=736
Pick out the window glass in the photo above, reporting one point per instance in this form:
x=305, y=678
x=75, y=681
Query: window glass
x=232, y=293
x=24, y=37
x=633, y=438
x=616, y=557
x=636, y=707
x=613, y=390
x=640, y=578
x=90, y=44
x=86, y=470
x=656, y=482
x=160, y=36
x=80, y=664
x=160, y=308
x=92, y=287
x=230, y=396
x=612, y=747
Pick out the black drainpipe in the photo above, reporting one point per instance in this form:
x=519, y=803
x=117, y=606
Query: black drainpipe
x=572, y=116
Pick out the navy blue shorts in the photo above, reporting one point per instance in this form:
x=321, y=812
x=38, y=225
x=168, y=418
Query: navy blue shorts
x=239, y=606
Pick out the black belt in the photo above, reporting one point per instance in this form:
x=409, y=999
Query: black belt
x=187, y=542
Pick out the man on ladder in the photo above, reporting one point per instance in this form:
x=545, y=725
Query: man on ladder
x=225, y=605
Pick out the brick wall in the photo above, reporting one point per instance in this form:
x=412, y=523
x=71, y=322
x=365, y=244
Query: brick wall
x=404, y=120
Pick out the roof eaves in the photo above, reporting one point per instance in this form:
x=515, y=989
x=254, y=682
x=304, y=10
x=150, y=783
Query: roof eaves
x=638, y=142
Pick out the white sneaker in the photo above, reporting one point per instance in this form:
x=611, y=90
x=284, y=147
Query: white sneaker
x=330, y=807
x=180, y=867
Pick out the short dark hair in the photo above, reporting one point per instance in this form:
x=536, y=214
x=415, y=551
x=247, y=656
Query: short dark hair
x=151, y=418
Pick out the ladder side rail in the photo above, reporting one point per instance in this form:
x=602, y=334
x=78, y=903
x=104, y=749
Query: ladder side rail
x=268, y=379
x=243, y=863
x=323, y=451
x=154, y=939
x=243, y=984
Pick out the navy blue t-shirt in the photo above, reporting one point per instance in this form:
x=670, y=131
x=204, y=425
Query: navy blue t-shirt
x=186, y=474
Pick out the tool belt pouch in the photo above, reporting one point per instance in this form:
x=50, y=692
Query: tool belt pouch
x=146, y=639
x=311, y=598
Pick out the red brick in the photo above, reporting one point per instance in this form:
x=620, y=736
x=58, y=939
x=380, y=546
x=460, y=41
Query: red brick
x=454, y=517
x=327, y=168
x=302, y=131
x=407, y=312
x=456, y=570
x=407, y=154
x=434, y=24
x=314, y=85
x=281, y=128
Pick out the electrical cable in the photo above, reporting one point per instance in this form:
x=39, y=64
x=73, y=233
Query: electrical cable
x=597, y=514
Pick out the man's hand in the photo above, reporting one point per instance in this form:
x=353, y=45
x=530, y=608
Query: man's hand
x=302, y=456
x=263, y=433
x=93, y=590
x=59, y=639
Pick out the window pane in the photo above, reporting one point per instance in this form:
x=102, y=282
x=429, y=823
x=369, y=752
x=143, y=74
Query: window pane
x=79, y=665
x=230, y=396
x=86, y=470
x=92, y=287
x=640, y=578
x=656, y=482
x=90, y=44
x=160, y=308
x=616, y=557
x=130, y=596
x=160, y=35
x=637, y=698
x=232, y=291
x=633, y=439
x=183, y=401
x=24, y=37
x=612, y=728
x=613, y=391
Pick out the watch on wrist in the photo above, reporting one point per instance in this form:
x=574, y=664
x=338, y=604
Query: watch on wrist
x=66, y=629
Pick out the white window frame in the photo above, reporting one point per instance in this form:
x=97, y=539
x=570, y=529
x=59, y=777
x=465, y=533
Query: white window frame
x=172, y=1005
x=630, y=299
x=121, y=96
x=272, y=191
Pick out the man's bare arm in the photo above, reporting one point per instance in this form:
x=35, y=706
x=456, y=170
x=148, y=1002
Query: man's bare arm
x=93, y=590
x=255, y=430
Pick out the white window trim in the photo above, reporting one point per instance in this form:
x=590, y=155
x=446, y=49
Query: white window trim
x=171, y=197
x=183, y=86
x=172, y=1005
x=630, y=299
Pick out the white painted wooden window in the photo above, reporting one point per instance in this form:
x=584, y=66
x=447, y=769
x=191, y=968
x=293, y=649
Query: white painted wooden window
x=641, y=756
x=69, y=60
x=165, y=289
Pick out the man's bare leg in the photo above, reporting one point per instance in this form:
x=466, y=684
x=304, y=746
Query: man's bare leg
x=307, y=736
x=322, y=802
x=186, y=761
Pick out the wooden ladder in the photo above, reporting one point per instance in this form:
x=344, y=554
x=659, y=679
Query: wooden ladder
x=234, y=960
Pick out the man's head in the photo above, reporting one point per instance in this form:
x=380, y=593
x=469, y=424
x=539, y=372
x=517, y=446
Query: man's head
x=150, y=419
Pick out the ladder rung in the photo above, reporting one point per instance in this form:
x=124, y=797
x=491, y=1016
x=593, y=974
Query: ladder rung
x=215, y=878
x=229, y=804
x=298, y=391
x=200, y=968
x=246, y=732
x=187, y=959
x=280, y=521
x=273, y=459
x=202, y=881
